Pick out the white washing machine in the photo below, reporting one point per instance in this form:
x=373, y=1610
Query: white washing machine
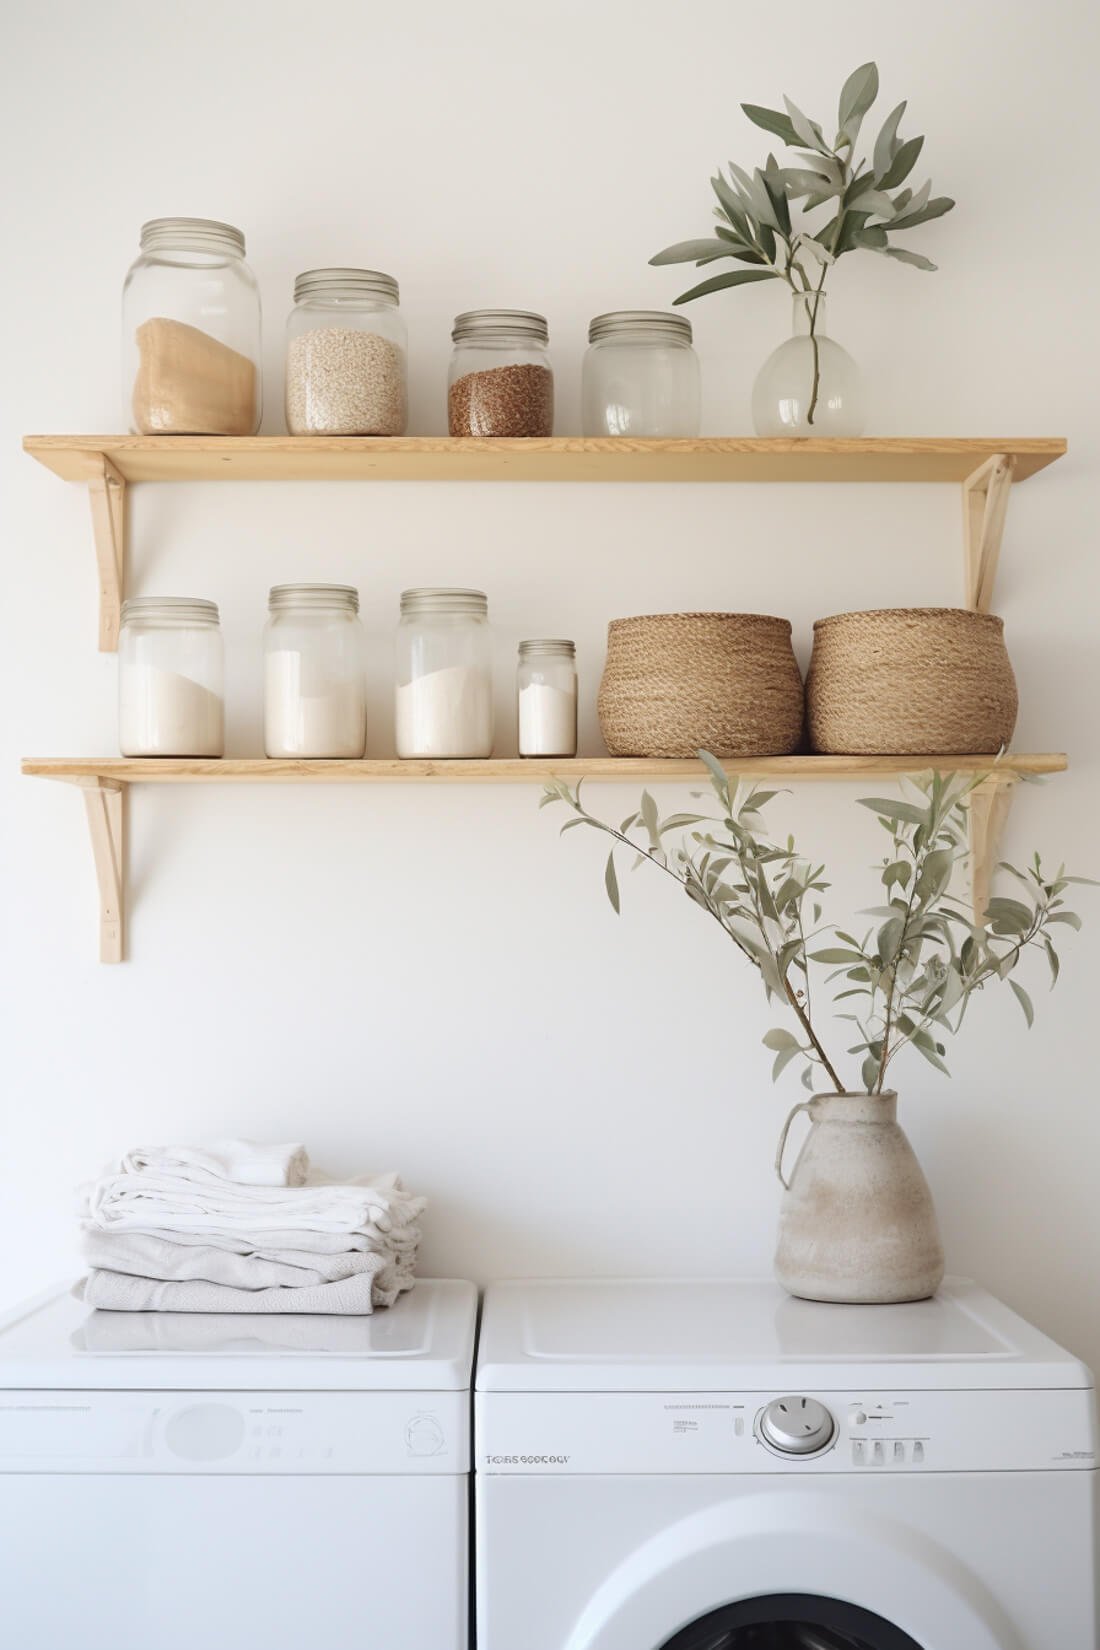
x=714, y=1466
x=176, y=1480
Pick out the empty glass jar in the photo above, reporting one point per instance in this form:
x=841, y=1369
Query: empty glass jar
x=546, y=688
x=500, y=382
x=346, y=355
x=170, y=678
x=315, y=695
x=640, y=376
x=191, y=360
x=444, y=694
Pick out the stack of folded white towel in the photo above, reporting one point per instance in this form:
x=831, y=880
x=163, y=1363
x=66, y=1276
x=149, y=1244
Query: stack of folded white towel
x=241, y=1227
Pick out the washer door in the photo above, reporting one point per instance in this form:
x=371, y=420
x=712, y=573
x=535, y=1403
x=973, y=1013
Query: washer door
x=792, y=1621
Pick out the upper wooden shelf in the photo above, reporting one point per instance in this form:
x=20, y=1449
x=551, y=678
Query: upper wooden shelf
x=561, y=458
x=170, y=770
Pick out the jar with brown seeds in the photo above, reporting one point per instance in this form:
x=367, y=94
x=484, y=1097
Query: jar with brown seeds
x=346, y=359
x=500, y=382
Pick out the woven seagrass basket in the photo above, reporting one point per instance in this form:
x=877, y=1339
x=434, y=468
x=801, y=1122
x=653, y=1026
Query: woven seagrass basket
x=676, y=683
x=910, y=681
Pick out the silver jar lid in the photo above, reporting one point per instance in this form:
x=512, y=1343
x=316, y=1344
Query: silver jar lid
x=494, y=323
x=437, y=599
x=347, y=284
x=183, y=609
x=282, y=597
x=621, y=323
x=196, y=234
x=544, y=645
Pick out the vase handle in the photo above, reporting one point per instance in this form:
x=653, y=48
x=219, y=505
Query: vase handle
x=803, y=1105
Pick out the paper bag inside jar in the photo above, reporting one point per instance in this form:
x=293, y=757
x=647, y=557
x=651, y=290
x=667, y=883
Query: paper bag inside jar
x=189, y=384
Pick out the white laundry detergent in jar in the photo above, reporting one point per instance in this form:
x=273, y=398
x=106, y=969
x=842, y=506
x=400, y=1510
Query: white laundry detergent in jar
x=443, y=704
x=170, y=678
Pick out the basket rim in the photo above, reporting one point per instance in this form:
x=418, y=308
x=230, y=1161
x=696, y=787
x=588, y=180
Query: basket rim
x=911, y=613
x=742, y=618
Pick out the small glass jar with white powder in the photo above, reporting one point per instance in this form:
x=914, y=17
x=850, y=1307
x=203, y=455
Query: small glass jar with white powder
x=546, y=685
x=171, y=694
x=444, y=688
x=346, y=350
x=315, y=696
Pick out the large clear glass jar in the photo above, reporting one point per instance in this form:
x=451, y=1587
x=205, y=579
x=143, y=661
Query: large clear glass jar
x=191, y=351
x=546, y=690
x=444, y=691
x=640, y=376
x=315, y=692
x=346, y=355
x=810, y=385
x=171, y=693
x=500, y=381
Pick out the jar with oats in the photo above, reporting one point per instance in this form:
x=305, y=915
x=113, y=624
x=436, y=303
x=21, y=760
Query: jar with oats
x=500, y=382
x=346, y=355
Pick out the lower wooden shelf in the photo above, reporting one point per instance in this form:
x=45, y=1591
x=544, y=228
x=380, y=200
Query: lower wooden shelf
x=106, y=781
x=174, y=770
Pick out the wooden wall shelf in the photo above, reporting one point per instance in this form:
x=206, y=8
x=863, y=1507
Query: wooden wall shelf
x=558, y=458
x=984, y=469
x=106, y=781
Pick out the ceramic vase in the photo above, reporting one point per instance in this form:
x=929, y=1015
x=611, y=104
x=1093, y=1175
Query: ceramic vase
x=857, y=1222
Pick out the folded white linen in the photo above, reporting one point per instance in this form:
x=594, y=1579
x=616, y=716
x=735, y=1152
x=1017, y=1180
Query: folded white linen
x=204, y=1333
x=148, y=1199
x=246, y=1162
x=142, y=1255
x=118, y=1292
x=400, y=1240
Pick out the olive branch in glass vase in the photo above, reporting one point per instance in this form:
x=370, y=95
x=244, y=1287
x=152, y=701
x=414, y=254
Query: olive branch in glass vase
x=764, y=217
x=908, y=980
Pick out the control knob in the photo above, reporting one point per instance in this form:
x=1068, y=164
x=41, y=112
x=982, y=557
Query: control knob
x=797, y=1426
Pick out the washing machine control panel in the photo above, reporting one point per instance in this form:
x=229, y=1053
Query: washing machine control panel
x=234, y=1432
x=809, y=1432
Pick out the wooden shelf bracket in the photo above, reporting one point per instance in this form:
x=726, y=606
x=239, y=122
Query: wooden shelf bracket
x=107, y=494
x=105, y=804
x=985, y=505
x=988, y=803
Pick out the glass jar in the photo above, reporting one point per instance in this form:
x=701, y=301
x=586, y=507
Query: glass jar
x=346, y=355
x=546, y=688
x=171, y=693
x=315, y=693
x=191, y=354
x=444, y=699
x=640, y=376
x=500, y=382
x=809, y=385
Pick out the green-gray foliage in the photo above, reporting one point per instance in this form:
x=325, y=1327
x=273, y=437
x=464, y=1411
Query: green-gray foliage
x=766, y=219
x=907, y=981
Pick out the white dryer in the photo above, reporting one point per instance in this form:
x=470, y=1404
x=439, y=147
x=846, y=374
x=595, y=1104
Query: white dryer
x=176, y=1480
x=714, y=1466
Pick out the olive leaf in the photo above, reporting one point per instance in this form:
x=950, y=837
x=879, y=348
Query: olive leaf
x=766, y=214
x=910, y=980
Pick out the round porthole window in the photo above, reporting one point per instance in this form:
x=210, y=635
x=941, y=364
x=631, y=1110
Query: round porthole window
x=791, y=1621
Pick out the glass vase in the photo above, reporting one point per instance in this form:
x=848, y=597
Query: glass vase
x=809, y=385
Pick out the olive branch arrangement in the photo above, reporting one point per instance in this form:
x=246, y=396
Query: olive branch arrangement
x=909, y=980
x=756, y=224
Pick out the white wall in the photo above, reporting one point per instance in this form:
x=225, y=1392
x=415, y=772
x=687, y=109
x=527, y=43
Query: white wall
x=427, y=978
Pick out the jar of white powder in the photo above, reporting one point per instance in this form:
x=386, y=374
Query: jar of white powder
x=315, y=696
x=170, y=678
x=546, y=684
x=346, y=349
x=444, y=694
